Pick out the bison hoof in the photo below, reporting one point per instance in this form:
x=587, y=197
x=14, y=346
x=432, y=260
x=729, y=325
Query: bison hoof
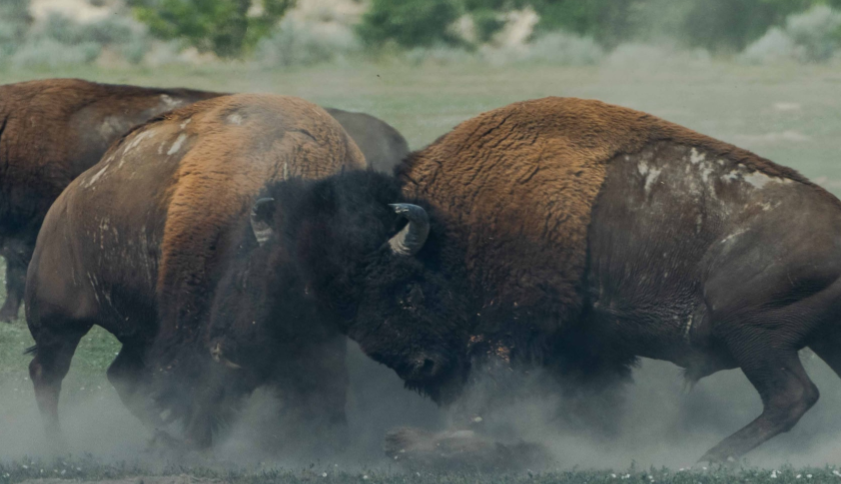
x=718, y=460
x=162, y=440
x=461, y=450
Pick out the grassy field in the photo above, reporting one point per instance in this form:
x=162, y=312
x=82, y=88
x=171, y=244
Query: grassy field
x=788, y=114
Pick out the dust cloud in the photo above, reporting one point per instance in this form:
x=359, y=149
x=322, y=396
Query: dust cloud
x=657, y=425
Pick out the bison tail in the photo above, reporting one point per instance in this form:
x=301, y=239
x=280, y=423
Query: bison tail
x=31, y=350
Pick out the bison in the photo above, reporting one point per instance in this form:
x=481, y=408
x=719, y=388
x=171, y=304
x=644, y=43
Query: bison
x=53, y=130
x=559, y=232
x=383, y=146
x=138, y=245
x=594, y=234
x=50, y=132
x=577, y=236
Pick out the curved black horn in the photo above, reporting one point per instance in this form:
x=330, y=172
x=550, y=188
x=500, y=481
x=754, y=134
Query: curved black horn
x=410, y=240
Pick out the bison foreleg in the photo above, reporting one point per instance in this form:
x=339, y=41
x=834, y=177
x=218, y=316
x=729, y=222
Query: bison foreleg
x=15, y=285
x=786, y=391
x=127, y=373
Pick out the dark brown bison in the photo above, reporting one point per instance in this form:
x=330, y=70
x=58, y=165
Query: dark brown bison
x=578, y=236
x=139, y=243
x=593, y=234
x=53, y=130
x=50, y=132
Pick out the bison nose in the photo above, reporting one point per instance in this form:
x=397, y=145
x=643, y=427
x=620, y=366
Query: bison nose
x=427, y=367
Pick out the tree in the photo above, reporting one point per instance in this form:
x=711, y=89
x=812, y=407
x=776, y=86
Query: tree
x=229, y=28
x=409, y=23
x=719, y=25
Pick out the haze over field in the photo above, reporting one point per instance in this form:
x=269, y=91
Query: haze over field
x=761, y=74
x=787, y=115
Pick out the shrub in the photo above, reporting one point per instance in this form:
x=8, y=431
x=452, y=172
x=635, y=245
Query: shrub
x=563, y=48
x=775, y=45
x=558, y=48
x=229, y=28
x=811, y=36
x=439, y=55
x=607, y=21
x=135, y=50
x=815, y=32
x=304, y=43
x=51, y=54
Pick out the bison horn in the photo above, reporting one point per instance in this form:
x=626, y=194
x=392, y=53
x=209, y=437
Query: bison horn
x=261, y=214
x=410, y=240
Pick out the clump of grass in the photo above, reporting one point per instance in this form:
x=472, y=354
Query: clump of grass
x=89, y=469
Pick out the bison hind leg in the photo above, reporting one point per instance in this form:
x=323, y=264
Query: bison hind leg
x=53, y=354
x=787, y=394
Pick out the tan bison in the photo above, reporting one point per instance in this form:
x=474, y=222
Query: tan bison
x=53, y=130
x=139, y=243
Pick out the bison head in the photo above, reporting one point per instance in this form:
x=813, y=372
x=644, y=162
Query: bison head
x=376, y=262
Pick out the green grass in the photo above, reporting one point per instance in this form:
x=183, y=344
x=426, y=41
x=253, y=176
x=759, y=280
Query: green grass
x=790, y=114
x=87, y=469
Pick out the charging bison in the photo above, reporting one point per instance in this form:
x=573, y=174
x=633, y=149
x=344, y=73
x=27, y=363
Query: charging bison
x=138, y=244
x=53, y=130
x=561, y=232
x=579, y=236
x=593, y=234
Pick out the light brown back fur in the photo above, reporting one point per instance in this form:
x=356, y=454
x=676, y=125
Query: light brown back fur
x=516, y=187
x=211, y=160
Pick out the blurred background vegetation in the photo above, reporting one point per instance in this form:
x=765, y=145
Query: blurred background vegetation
x=303, y=32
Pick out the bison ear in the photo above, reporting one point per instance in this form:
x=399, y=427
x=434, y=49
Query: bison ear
x=262, y=214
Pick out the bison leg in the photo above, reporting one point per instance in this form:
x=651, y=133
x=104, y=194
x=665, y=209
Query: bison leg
x=15, y=284
x=786, y=392
x=312, y=385
x=126, y=374
x=49, y=367
x=828, y=348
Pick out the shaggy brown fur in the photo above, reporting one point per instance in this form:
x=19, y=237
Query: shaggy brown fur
x=137, y=243
x=516, y=187
x=50, y=132
x=595, y=234
x=53, y=130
